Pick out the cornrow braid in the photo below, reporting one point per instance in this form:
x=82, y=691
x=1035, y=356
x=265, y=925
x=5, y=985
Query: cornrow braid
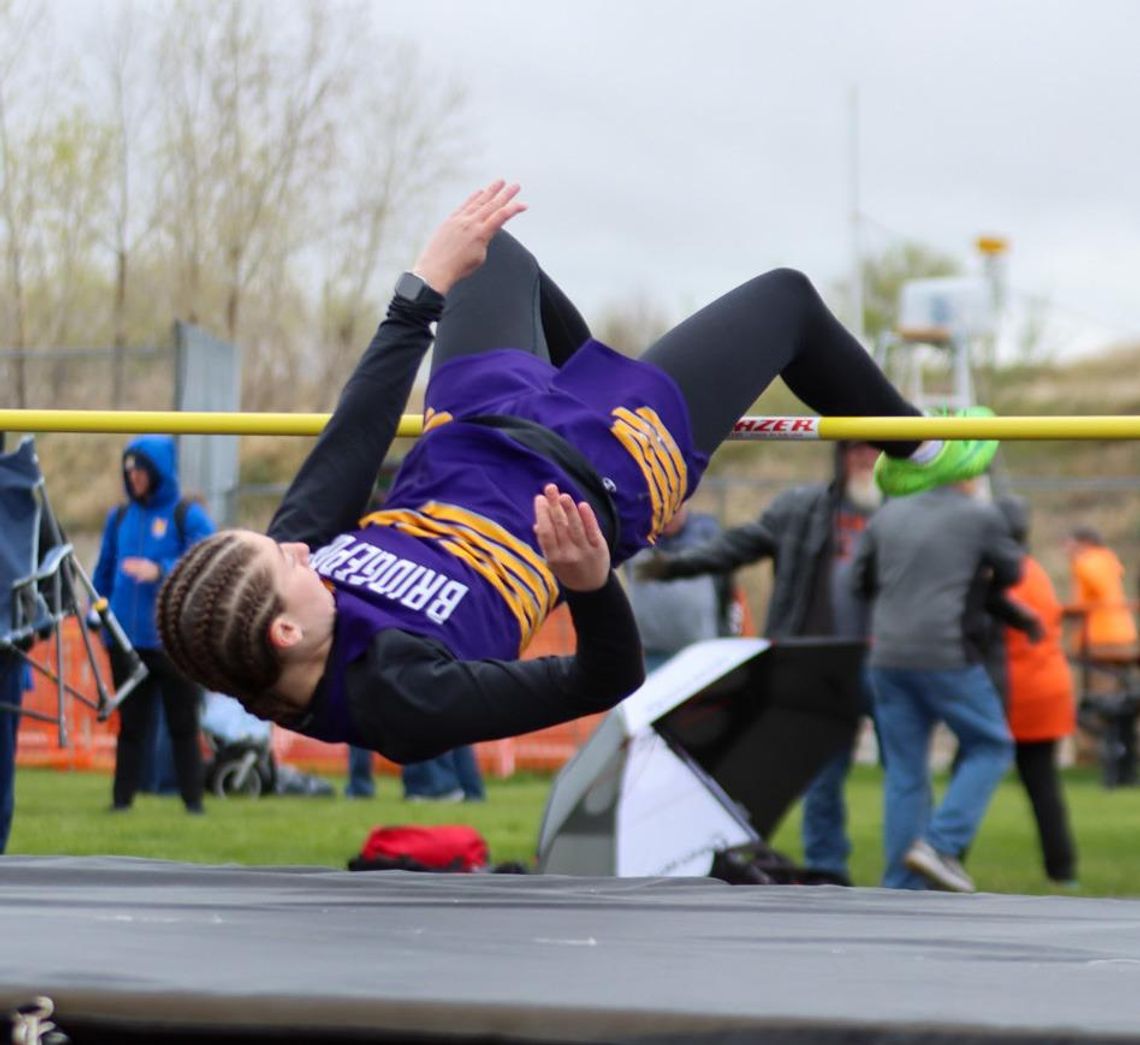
x=214, y=611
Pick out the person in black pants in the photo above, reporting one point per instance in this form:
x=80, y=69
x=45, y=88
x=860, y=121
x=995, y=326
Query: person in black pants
x=142, y=540
x=1036, y=762
x=181, y=701
x=546, y=459
x=1040, y=702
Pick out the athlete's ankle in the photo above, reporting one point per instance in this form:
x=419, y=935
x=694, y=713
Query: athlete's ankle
x=926, y=451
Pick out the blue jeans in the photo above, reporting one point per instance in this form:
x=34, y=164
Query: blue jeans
x=11, y=692
x=908, y=705
x=467, y=773
x=824, y=825
x=452, y=771
x=158, y=774
x=360, y=783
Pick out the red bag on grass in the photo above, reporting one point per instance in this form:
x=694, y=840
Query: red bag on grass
x=445, y=847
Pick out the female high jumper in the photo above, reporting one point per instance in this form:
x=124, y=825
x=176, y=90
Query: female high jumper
x=546, y=459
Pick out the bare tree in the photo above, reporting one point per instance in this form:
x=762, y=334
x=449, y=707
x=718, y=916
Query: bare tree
x=633, y=326
x=230, y=156
x=406, y=141
x=19, y=186
x=283, y=150
x=73, y=174
x=1034, y=343
x=130, y=211
x=249, y=122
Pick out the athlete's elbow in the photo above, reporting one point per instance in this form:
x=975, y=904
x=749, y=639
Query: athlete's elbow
x=636, y=674
x=619, y=684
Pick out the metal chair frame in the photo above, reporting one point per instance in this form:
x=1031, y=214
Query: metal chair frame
x=42, y=600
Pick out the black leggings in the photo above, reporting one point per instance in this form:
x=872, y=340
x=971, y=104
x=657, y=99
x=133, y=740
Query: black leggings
x=722, y=357
x=509, y=302
x=1037, y=767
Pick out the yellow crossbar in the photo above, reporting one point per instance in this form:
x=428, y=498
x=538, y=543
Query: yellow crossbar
x=749, y=428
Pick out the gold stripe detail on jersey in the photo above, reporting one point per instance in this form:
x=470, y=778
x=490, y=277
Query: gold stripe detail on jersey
x=515, y=570
x=434, y=420
x=648, y=442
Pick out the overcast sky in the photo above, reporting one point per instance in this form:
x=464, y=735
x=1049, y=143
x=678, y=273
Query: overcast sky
x=673, y=149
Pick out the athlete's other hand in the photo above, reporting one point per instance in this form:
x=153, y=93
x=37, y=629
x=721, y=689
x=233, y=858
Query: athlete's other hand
x=571, y=540
x=459, y=246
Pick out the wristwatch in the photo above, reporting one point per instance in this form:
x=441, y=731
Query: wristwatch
x=413, y=288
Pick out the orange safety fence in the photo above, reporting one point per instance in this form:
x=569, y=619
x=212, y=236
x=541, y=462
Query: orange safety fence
x=91, y=744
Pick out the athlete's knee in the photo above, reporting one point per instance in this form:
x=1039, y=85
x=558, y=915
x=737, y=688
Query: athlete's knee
x=788, y=281
x=786, y=287
x=506, y=251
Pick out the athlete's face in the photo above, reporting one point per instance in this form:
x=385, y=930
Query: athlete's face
x=309, y=608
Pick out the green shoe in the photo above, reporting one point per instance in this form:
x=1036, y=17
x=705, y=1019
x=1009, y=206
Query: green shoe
x=958, y=460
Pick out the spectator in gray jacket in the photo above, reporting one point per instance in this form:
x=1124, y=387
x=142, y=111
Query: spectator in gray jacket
x=673, y=616
x=929, y=562
x=810, y=533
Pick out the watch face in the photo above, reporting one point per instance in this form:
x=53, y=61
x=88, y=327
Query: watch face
x=409, y=286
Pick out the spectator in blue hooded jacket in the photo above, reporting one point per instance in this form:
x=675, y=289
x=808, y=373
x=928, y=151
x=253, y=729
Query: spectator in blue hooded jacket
x=142, y=540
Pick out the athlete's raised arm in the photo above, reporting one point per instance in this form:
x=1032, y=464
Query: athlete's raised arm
x=332, y=488
x=459, y=246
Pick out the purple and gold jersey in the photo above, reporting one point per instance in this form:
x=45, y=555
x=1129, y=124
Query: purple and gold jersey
x=626, y=417
x=453, y=555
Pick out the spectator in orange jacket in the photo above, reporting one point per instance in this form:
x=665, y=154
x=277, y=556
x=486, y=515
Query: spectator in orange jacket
x=1098, y=593
x=1040, y=702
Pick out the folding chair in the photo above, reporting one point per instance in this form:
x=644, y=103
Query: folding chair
x=41, y=584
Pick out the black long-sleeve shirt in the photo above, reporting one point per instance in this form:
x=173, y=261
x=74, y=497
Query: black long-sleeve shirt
x=408, y=696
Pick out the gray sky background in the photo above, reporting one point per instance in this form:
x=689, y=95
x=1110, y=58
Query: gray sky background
x=670, y=150
x=673, y=149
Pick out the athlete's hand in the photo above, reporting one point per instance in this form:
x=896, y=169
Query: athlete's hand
x=459, y=246
x=571, y=540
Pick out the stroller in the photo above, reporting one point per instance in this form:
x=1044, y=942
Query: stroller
x=41, y=586
x=241, y=759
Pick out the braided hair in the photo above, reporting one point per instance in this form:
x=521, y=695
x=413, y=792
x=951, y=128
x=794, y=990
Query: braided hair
x=214, y=611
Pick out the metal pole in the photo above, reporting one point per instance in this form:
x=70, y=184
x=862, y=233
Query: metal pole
x=856, y=320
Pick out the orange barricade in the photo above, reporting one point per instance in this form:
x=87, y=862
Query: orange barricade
x=91, y=744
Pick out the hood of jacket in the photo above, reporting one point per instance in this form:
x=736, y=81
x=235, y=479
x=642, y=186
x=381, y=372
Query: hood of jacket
x=156, y=454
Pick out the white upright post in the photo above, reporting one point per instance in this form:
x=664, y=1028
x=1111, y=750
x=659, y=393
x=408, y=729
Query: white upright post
x=856, y=318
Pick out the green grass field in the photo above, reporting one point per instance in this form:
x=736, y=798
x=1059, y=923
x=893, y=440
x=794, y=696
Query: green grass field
x=66, y=813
